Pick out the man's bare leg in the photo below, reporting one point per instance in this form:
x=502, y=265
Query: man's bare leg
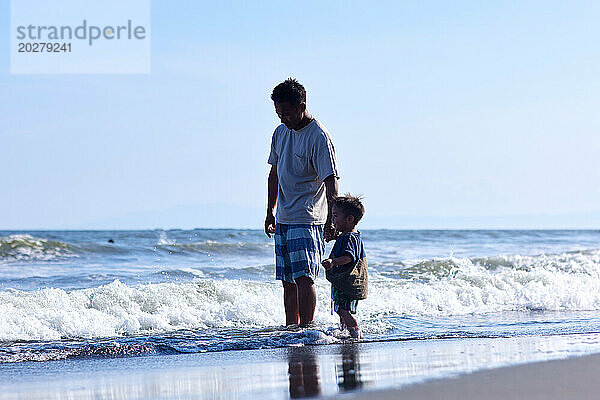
x=290, y=303
x=307, y=299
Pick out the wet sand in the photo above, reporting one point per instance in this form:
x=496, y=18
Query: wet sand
x=365, y=370
x=575, y=378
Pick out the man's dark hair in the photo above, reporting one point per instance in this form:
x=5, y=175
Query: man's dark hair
x=350, y=205
x=290, y=91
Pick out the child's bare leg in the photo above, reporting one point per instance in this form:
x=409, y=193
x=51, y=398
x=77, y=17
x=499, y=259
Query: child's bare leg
x=342, y=323
x=350, y=322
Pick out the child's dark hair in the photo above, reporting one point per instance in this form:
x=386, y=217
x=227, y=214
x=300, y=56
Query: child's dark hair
x=350, y=205
x=289, y=91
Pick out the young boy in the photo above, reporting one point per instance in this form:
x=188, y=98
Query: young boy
x=346, y=267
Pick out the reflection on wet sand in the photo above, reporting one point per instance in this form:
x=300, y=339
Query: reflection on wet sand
x=282, y=373
x=303, y=370
x=348, y=372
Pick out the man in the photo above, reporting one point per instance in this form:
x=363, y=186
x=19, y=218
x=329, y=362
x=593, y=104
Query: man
x=302, y=183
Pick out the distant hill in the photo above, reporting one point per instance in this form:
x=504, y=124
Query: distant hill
x=231, y=216
x=186, y=217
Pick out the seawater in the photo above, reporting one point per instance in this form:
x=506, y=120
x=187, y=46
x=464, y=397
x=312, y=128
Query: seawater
x=80, y=294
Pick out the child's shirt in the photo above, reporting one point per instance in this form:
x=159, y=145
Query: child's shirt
x=351, y=278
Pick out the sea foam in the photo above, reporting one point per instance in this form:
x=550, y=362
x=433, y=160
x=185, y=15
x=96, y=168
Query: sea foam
x=434, y=288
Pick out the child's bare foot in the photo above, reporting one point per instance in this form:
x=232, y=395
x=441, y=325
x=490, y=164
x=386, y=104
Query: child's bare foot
x=355, y=333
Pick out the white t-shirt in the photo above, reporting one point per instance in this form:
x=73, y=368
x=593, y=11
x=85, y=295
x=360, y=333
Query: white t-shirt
x=304, y=158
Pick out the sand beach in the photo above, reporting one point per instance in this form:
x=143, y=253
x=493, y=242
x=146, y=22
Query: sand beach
x=549, y=367
x=574, y=378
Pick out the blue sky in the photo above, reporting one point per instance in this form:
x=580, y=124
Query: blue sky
x=438, y=110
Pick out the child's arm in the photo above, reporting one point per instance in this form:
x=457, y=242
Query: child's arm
x=332, y=262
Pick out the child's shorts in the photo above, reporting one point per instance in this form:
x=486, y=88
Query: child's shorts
x=299, y=250
x=340, y=300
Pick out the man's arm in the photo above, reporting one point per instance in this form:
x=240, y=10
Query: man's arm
x=331, y=191
x=272, y=184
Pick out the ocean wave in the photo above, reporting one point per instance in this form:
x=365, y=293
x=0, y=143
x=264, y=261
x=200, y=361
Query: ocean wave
x=23, y=247
x=458, y=286
x=180, y=342
x=39, y=352
x=439, y=288
x=210, y=247
x=117, y=309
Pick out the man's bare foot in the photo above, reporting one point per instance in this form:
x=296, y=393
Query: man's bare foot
x=292, y=327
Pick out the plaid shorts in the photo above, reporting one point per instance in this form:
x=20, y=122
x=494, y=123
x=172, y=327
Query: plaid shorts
x=299, y=250
x=340, y=300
